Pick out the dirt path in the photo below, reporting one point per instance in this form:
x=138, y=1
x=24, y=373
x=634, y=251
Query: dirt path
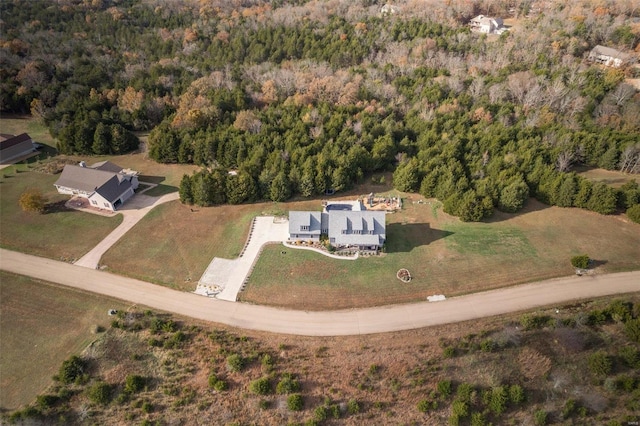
x=333, y=323
x=132, y=213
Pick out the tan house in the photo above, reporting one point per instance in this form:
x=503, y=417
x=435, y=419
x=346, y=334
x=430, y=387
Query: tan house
x=13, y=147
x=105, y=184
x=608, y=57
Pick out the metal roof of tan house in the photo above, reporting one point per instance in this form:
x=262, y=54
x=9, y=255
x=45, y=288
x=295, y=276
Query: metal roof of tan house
x=609, y=51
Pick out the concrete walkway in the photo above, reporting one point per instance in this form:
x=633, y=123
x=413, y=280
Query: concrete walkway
x=132, y=212
x=230, y=275
x=332, y=323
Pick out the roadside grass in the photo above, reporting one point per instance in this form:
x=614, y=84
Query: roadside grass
x=59, y=233
x=612, y=178
x=41, y=325
x=446, y=256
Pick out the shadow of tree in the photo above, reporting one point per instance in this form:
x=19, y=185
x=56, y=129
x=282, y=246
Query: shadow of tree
x=57, y=207
x=405, y=237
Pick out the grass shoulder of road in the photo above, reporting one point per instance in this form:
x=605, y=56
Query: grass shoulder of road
x=446, y=256
x=60, y=233
x=41, y=325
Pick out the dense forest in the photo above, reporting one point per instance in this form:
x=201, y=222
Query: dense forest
x=284, y=98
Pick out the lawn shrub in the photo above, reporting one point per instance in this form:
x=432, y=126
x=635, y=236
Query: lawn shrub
x=235, y=363
x=321, y=413
x=134, y=383
x=295, y=402
x=465, y=392
x=217, y=383
x=581, y=261
x=498, y=400
x=459, y=409
x=633, y=213
x=267, y=363
x=426, y=405
x=620, y=311
x=516, y=394
x=353, y=407
x=261, y=386
x=100, y=393
x=540, y=417
x=569, y=408
x=531, y=322
x=599, y=363
x=631, y=356
x=478, y=419
x=487, y=345
x=632, y=330
x=45, y=402
x=449, y=352
x=72, y=370
x=287, y=384
x=444, y=388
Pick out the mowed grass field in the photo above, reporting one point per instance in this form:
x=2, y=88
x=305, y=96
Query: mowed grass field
x=446, y=256
x=174, y=243
x=59, y=233
x=610, y=177
x=41, y=325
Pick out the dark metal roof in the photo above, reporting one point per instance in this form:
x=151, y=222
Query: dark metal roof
x=13, y=141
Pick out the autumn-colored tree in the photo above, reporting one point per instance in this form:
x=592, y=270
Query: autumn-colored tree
x=32, y=200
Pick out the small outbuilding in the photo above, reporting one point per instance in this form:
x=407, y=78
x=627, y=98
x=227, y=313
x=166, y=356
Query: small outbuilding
x=13, y=147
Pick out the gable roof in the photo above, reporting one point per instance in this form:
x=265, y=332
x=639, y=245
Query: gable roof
x=608, y=51
x=83, y=178
x=14, y=140
x=112, y=189
x=357, y=227
x=298, y=219
x=106, y=166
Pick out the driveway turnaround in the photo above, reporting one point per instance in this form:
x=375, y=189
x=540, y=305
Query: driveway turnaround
x=230, y=275
x=331, y=323
x=134, y=210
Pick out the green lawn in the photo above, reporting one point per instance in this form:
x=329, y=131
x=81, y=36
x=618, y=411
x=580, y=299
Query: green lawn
x=60, y=233
x=17, y=124
x=446, y=256
x=40, y=326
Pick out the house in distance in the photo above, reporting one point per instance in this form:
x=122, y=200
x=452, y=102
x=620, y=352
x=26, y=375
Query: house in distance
x=105, y=184
x=608, y=56
x=487, y=25
x=347, y=225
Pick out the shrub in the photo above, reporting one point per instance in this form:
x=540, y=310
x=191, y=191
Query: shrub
x=100, y=393
x=633, y=213
x=216, y=383
x=321, y=413
x=477, y=419
x=568, y=409
x=540, y=417
x=444, y=388
x=295, y=402
x=134, y=383
x=72, y=370
x=263, y=404
x=449, y=352
x=427, y=405
x=498, y=400
x=32, y=200
x=44, y=402
x=465, y=392
x=599, y=363
x=147, y=407
x=261, y=386
x=632, y=330
x=630, y=356
x=487, y=345
x=516, y=394
x=288, y=384
x=581, y=261
x=353, y=407
x=235, y=362
x=459, y=409
x=530, y=322
x=267, y=363
x=620, y=311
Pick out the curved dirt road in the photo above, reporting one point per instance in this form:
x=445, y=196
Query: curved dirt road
x=333, y=323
